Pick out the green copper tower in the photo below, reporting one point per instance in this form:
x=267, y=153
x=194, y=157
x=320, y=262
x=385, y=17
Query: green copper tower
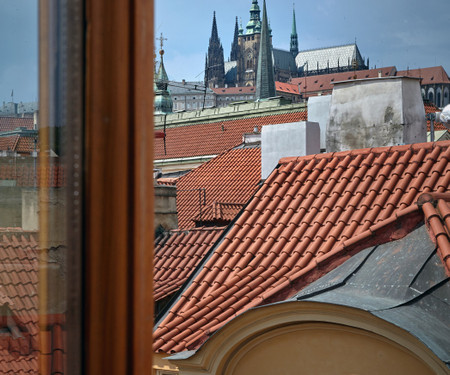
x=163, y=101
x=265, y=82
x=294, y=36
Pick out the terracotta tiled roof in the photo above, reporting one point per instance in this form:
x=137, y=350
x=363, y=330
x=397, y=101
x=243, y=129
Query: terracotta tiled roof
x=18, y=143
x=23, y=173
x=215, y=138
x=12, y=123
x=436, y=208
x=177, y=254
x=218, y=212
x=169, y=181
x=21, y=341
x=231, y=177
x=286, y=87
x=434, y=74
x=431, y=108
x=310, y=215
x=312, y=85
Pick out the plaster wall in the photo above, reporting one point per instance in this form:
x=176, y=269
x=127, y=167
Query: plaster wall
x=375, y=113
x=319, y=111
x=283, y=140
x=323, y=349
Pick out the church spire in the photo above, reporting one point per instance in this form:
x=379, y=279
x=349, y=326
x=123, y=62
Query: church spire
x=265, y=82
x=214, y=33
x=235, y=45
x=294, y=36
x=215, y=70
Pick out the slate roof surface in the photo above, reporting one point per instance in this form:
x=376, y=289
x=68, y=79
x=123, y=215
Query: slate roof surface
x=218, y=188
x=215, y=138
x=403, y=282
x=432, y=75
x=330, y=57
x=177, y=254
x=12, y=123
x=283, y=60
x=310, y=86
x=311, y=214
x=22, y=343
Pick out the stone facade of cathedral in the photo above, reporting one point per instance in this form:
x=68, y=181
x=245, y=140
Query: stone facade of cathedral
x=241, y=69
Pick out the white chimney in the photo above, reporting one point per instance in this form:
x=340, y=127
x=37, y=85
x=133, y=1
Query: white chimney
x=283, y=140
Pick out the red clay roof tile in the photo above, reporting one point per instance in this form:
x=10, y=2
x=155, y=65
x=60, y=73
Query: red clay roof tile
x=216, y=191
x=18, y=280
x=217, y=137
x=12, y=123
x=264, y=259
x=177, y=254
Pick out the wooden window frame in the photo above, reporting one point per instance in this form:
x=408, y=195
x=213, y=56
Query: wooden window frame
x=104, y=97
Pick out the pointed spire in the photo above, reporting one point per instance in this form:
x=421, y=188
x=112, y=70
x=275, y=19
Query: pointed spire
x=235, y=45
x=265, y=82
x=294, y=36
x=215, y=69
x=214, y=33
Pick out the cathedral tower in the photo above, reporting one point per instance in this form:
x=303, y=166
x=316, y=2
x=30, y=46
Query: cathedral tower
x=215, y=69
x=249, y=42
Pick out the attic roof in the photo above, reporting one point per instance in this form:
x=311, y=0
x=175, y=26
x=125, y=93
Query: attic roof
x=224, y=183
x=311, y=214
x=431, y=75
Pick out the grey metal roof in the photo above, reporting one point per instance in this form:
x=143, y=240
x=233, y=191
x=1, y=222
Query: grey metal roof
x=187, y=88
x=230, y=71
x=403, y=282
x=330, y=57
x=283, y=60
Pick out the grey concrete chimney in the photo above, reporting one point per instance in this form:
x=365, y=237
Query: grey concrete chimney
x=283, y=140
x=375, y=112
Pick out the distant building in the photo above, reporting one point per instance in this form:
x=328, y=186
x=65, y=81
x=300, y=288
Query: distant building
x=191, y=96
x=12, y=109
x=435, y=84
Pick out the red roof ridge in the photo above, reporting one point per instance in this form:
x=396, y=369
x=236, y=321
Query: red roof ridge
x=364, y=151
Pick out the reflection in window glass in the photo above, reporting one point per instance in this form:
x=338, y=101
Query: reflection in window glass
x=32, y=197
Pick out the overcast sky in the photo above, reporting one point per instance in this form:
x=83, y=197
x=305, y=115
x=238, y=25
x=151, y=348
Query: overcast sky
x=399, y=33
x=403, y=33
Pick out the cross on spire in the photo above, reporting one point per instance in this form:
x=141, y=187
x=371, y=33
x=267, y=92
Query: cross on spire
x=161, y=40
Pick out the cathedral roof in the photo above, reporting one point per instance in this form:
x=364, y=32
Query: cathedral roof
x=331, y=57
x=283, y=60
